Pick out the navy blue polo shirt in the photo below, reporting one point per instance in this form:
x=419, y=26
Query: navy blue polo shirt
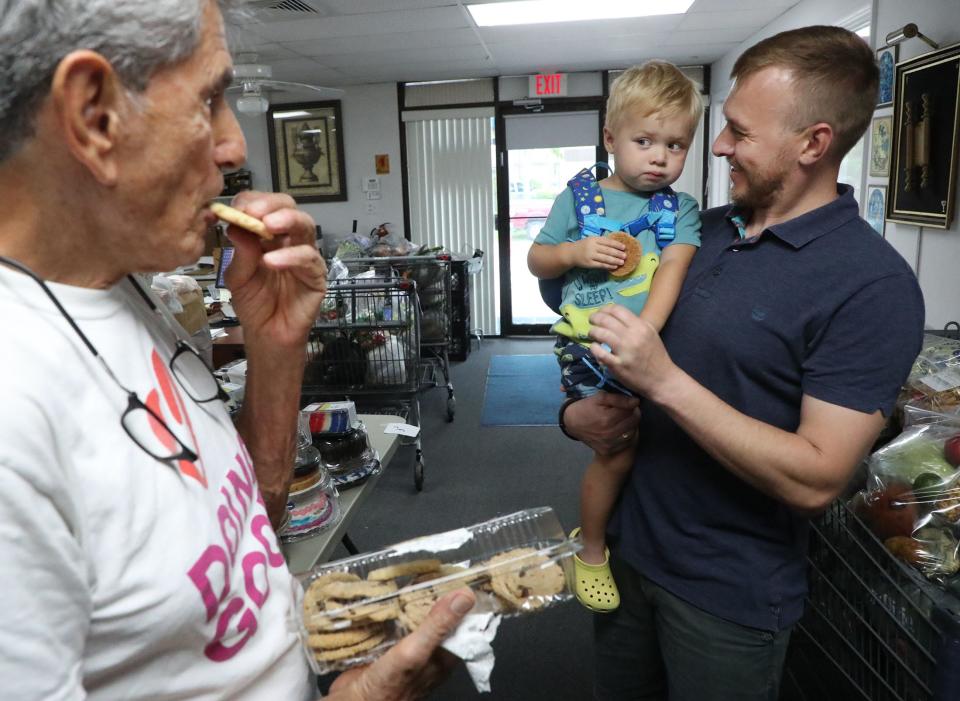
x=819, y=305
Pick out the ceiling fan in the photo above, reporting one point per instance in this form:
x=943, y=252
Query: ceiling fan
x=255, y=81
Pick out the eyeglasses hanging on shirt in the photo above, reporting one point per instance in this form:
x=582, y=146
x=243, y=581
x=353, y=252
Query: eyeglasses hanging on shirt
x=142, y=424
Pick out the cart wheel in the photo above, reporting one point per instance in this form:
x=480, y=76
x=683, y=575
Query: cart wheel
x=451, y=407
x=418, y=474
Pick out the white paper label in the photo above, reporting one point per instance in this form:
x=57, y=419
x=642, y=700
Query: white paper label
x=402, y=429
x=942, y=381
x=434, y=543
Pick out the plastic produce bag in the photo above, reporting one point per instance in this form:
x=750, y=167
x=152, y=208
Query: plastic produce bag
x=933, y=551
x=162, y=286
x=934, y=381
x=919, y=449
x=387, y=362
x=182, y=295
x=388, y=243
x=912, y=497
x=354, y=246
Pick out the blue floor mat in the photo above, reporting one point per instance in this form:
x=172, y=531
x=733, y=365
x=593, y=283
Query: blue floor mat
x=522, y=390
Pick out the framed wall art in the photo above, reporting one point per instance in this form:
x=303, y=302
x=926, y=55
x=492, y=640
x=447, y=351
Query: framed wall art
x=887, y=60
x=306, y=151
x=881, y=129
x=925, y=132
x=876, y=207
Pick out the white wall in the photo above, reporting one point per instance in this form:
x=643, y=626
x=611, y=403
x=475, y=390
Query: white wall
x=369, y=127
x=933, y=253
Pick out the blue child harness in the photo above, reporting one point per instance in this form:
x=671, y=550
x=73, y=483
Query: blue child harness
x=660, y=217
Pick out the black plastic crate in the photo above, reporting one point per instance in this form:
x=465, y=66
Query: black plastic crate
x=889, y=633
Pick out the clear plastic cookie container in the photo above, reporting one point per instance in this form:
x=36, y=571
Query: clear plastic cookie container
x=353, y=610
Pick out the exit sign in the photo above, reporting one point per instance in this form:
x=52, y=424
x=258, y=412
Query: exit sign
x=548, y=85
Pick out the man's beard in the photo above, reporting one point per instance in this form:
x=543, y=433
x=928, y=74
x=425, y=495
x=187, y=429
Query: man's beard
x=758, y=191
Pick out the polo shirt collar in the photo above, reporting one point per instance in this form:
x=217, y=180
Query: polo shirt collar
x=802, y=230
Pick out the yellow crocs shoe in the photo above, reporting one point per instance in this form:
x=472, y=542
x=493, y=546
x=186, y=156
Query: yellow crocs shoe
x=595, y=588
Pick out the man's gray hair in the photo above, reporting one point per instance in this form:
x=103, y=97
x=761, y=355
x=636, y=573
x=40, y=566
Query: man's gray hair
x=137, y=38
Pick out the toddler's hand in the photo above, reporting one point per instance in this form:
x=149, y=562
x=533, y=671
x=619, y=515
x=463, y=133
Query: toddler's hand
x=598, y=252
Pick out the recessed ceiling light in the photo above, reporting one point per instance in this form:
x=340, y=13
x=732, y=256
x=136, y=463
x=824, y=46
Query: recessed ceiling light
x=546, y=11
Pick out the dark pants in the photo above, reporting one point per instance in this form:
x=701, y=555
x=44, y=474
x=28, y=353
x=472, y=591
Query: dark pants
x=657, y=646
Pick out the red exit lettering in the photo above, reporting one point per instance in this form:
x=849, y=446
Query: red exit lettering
x=549, y=84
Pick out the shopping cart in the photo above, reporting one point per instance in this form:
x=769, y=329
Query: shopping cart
x=365, y=347
x=432, y=274
x=888, y=634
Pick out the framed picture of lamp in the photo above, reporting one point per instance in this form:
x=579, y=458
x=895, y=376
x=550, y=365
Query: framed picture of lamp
x=926, y=129
x=306, y=151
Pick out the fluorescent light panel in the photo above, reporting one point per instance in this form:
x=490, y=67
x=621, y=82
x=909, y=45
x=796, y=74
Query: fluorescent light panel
x=547, y=11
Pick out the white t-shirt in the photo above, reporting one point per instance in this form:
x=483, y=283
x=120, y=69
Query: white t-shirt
x=123, y=577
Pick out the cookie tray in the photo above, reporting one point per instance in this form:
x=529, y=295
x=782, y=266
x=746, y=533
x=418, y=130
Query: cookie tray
x=355, y=609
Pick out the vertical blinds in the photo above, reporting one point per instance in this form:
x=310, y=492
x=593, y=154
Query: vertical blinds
x=450, y=182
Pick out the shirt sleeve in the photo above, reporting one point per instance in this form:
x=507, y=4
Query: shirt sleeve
x=864, y=354
x=561, y=224
x=688, y=221
x=44, y=579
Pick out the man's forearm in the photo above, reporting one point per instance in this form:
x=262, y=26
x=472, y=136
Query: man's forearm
x=268, y=421
x=785, y=465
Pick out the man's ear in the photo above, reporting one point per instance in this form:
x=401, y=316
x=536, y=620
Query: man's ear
x=88, y=100
x=817, y=140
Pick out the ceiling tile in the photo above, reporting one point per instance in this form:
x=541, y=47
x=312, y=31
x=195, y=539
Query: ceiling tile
x=374, y=24
x=740, y=5
x=386, y=42
x=306, y=71
x=749, y=20
x=579, y=33
x=428, y=71
x=357, y=7
x=413, y=57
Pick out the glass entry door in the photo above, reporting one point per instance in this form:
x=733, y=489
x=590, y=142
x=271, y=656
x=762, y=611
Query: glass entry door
x=543, y=151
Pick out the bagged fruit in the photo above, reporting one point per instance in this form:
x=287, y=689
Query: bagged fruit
x=911, y=501
x=918, y=450
x=934, y=381
x=933, y=551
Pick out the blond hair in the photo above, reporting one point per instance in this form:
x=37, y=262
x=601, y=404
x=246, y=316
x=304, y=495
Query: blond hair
x=834, y=74
x=655, y=86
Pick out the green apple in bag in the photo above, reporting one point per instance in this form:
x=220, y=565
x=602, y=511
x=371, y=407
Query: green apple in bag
x=917, y=450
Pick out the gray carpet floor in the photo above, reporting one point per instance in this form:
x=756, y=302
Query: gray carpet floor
x=474, y=473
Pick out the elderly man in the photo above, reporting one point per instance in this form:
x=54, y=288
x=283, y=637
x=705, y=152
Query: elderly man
x=795, y=328
x=139, y=557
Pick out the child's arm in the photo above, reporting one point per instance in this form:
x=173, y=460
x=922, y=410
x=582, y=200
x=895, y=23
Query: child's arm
x=667, y=281
x=548, y=261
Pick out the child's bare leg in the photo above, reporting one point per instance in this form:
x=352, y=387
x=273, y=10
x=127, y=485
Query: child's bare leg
x=599, y=491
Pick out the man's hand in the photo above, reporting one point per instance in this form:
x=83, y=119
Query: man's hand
x=604, y=421
x=637, y=356
x=277, y=286
x=413, y=666
x=598, y=252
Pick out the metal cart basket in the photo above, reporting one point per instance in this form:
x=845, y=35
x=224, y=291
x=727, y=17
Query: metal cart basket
x=433, y=276
x=890, y=634
x=365, y=346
